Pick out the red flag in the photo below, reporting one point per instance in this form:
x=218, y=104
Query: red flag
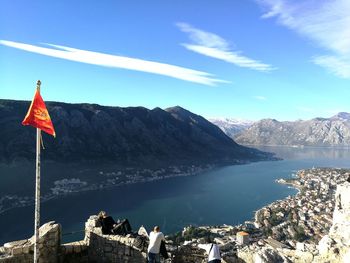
x=38, y=116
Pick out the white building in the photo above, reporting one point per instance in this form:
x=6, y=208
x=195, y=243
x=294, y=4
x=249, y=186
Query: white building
x=242, y=238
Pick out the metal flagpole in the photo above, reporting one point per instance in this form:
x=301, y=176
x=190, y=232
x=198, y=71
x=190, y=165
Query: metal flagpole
x=37, y=191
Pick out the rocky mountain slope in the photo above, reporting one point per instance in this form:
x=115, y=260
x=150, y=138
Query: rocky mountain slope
x=231, y=126
x=334, y=131
x=133, y=135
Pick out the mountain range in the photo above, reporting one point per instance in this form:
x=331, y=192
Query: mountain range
x=125, y=136
x=231, y=126
x=333, y=131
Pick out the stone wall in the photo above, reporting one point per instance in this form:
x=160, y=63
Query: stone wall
x=189, y=254
x=22, y=251
x=74, y=252
x=110, y=248
x=95, y=247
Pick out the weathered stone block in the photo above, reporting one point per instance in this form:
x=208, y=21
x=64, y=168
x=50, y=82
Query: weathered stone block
x=26, y=249
x=52, y=243
x=108, y=248
x=70, y=249
x=15, y=243
x=17, y=250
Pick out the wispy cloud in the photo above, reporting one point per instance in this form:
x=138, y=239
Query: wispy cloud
x=260, y=98
x=214, y=46
x=114, y=61
x=326, y=23
x=335, y=64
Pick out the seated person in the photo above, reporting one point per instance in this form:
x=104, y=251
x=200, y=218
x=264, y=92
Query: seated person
x=110, y=227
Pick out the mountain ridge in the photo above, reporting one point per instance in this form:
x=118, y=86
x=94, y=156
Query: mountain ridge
x=231, y=126
x=129, y=136
x=333, y=131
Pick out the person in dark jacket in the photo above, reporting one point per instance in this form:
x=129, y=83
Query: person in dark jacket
x=110, y=227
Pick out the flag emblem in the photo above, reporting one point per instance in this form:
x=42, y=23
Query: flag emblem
x=38, y=116
x=42, y=115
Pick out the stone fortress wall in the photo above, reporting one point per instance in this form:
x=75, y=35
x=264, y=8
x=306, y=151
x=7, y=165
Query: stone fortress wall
x=95, y=247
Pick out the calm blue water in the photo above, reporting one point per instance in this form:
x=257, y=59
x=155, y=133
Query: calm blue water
x=226, y=195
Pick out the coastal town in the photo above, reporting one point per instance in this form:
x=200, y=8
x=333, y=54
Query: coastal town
x=297, y=222
x=308, y=215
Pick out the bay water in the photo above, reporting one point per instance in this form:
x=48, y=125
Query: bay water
x=226, y=195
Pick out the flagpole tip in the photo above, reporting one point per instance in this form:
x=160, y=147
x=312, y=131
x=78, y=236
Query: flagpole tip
x=38, y=83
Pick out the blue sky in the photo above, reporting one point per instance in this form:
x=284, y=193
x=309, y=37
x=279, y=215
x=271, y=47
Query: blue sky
x=249, y=59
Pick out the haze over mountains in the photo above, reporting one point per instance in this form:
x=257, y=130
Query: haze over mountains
x=125, y=136
x=333, y=131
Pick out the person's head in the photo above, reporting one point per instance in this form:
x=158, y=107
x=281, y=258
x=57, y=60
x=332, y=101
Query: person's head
x=102, y=214
x=156, y=229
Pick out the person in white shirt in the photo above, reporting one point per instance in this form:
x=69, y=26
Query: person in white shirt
x=212, y=250
x=155, y=238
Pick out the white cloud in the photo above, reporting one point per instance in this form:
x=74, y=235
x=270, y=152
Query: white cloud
x=335, y=64
x=203, y=38
x=214, y=46
x=326, y=23
x=260, y=98
x=114, y=61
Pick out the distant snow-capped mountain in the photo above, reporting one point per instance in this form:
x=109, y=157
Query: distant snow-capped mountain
x=231, y=126
x=341, y=116
x=333, y=131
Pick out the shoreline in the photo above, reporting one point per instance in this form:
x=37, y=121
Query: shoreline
x=100, y=186
x=307, y=215
x=301, y=220
x=121, y=176
x=345, y=147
